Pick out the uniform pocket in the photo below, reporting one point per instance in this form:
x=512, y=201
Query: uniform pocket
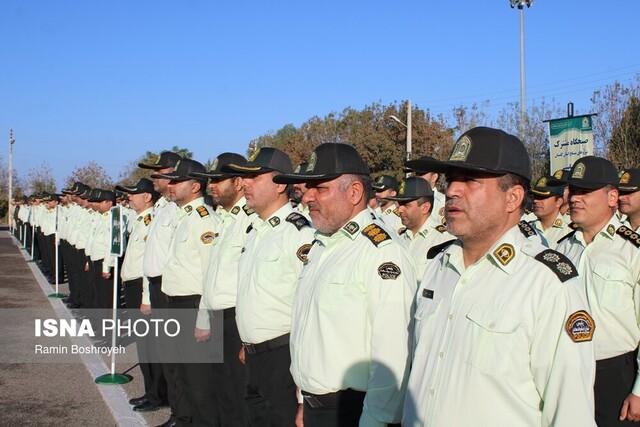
x=493, y=338
x=616, y=291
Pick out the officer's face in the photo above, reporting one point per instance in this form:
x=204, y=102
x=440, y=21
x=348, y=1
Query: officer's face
x=223, y=191
x=412, y=215
x=629, y=203
x=330, y=204
x=389, y=192
x=182, y=192
x=161, y=184
x=592, y=207
x=476, y=208
x=136, y=202
x=261, y=192
x=543, y=207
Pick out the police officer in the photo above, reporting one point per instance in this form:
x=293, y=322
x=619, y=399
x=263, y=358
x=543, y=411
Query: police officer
x=420, y=167
x=629, y=199
x=547, y=201
x=188, y=254
x=278, y=242
x=142, y=197
x=350, y=337
x=421, y=229
x=502, y=334
x=220, y=287
x=608, y=260
x=386, y=186
x=154, y=262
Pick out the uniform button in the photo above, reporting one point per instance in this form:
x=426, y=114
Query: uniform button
x=450, y=316
x=432, y=392
x=441, y=354
x=463, y=281
x=492, y=325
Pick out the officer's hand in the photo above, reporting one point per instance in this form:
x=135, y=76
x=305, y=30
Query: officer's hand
x=145, y=309
x=630, y=408
x=241, y=355
x=202, y=335
x=86, y=267
x=106, y=275
x=299, y=415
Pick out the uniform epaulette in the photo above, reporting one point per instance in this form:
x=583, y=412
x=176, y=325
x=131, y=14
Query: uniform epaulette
x=435, y=250
x=441, y=228
x=558, y=263
x=202, y=211
x=299, y=220
x=396, y=211
x=402, y=230
x=147, y=219
x=376, y=234
x=526, y=229
x=247, y=210
x=566, y=236
x=629, y=234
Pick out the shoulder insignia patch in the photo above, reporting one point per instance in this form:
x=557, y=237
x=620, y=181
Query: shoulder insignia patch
x=207, y=237
x=557, y=222
x=567, y=236
x=441, y=228
x=351, y=227
x=235, y=210
x=188, y=208
x=247, y=210
x=558, y=263
x=147, y=219
x=202, y=211
x=504, y=253
x=526, y=229
x=580, y=326
x=441, y=211
x=396, y=212
x=274, y=221
x=376, y=234
x=138, y=219
x=435, y=250
x=299, y=220
x=303, y=251
x=630, y=235
x=611, y=230
x=389, y=271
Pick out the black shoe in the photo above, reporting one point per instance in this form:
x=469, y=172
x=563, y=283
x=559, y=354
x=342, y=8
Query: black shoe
x=138, y=400
x=147, y=406
x=171, y=422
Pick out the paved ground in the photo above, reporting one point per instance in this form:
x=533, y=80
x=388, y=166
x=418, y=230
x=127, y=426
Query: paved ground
x=54, y=394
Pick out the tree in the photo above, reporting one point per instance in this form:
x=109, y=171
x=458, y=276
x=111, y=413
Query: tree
x=624, y=145
x=92, y=174
x=41, y=179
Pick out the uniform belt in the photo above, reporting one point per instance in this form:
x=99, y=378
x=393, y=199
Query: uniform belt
x=332, y=400
x=132, y=282
x=185, y=298
x=617, y=361
x=157, y=280
x=271, y=344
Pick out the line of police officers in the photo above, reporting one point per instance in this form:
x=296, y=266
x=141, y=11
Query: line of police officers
x=379, y=312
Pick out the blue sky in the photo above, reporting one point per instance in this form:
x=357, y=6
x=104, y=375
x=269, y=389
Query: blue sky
x=109, y=80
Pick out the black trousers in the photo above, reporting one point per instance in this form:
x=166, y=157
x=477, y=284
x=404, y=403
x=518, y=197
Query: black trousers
x=85, y=283
x=271, y=392
x=155, y=385
x=103, y=288
x=194, y=380
x=229, y=377
x=614, y=380
x=341, y=409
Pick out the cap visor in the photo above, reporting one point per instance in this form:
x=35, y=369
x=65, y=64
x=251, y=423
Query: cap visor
x=424, y=166
x=244, y=170
x=587, y=185
x=299, y=178
x=205, y=175
x=404, y=199
x=628, y=189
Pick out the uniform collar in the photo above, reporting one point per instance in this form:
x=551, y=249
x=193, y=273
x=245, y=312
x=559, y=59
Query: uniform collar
x=608, y=231
x=192, y=205
x=276, y=219
x=352, y=229
x=236, y=209
x=144, y=213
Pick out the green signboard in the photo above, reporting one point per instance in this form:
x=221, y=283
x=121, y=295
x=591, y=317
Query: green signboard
x=569, y=139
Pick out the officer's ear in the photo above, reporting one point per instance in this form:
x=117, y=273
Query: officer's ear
x=515, y=196
x=356, y=192
x=237, y=183
x=612, y=196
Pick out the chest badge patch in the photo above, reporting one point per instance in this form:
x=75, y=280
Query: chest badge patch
x=389, y=271
x=580, y=326
x=504, y=253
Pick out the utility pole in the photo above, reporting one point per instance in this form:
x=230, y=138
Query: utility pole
x=520, y=4
x=10, y=198
x=408, y=129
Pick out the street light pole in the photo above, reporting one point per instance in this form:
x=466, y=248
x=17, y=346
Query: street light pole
x=10, y=198
x=520, y=4
x=407, y=126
